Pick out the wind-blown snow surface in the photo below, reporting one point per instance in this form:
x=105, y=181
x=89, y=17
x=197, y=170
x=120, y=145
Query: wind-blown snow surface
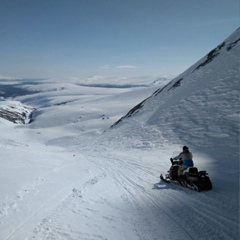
x=66, y=175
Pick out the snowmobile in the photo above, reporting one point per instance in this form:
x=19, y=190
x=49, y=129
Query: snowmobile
x=190, y=178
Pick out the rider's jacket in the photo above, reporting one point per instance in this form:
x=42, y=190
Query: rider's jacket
x=186, y=159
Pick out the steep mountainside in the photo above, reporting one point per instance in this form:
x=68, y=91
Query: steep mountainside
x=223, y=61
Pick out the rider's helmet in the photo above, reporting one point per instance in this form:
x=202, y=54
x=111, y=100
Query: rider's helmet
x=185, y=148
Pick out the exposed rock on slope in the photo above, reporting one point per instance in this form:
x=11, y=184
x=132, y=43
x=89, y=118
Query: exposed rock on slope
x=15, y=112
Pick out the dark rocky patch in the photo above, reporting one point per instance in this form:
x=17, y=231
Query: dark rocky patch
x=15, y=116
x=211, y=55
x=176, y=84
x=216, y=51
x=130, y=113
x=161, y=89
x=232, y=44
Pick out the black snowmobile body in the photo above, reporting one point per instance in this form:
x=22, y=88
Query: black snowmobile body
x=191, y=178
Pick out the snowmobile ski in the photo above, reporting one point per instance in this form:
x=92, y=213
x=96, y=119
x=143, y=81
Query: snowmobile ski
x=164, y=179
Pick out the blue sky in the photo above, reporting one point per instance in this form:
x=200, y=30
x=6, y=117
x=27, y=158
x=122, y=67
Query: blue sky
x=117, y=38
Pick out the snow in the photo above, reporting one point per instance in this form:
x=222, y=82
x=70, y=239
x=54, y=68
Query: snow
x=68, y=175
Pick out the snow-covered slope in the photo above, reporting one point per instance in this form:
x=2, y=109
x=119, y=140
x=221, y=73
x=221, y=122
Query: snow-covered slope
x=68, y=175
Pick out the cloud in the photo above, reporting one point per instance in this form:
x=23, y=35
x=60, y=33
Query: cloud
x=105, y=66
x=9, y=78
x=109, y=67
x=126, y=67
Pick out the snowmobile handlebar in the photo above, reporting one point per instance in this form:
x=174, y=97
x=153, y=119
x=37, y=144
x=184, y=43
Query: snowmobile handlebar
x=178, y=162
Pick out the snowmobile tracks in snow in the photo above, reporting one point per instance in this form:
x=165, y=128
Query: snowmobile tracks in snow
x=36, y=206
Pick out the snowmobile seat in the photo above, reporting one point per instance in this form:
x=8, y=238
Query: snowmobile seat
x=191, y=173
x=192, y=170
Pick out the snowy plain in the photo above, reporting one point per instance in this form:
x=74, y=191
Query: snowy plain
x=69, y=175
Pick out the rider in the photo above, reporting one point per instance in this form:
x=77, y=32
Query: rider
x=185, y=158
